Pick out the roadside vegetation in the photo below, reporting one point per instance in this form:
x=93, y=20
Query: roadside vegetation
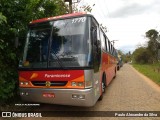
x=14, y=18
x=146, y=58
x=152, y=71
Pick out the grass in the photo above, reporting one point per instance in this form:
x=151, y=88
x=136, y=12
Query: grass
x=150, y=70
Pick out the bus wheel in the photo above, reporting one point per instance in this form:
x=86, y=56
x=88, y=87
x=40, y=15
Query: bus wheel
x=103, y=87
x=115, y=73
x=103, y=90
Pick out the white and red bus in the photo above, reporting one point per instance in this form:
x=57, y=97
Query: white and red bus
x=67, y=60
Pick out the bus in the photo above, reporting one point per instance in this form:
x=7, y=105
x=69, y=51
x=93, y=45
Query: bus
x=67, y=60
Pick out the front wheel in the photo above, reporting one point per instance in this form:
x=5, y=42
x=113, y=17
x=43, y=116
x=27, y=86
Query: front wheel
x=102, y=90
x=103, y=87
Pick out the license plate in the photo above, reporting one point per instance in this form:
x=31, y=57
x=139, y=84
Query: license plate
x=49, y=95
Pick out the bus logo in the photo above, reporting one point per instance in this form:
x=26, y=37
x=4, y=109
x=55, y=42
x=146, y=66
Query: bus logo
x=34, y=75
x=48, y=83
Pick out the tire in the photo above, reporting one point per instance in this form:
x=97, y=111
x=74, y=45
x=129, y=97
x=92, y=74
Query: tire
x=102, y=89
x=115, y=73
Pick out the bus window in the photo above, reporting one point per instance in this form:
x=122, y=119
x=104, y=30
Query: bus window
x=103, y=41
x=106, y=42
x=109, y=46
x=112, y=50
x=96, y=46
x=70, y=43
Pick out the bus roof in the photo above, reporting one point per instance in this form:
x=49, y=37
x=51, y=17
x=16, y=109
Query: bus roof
x=58, y=17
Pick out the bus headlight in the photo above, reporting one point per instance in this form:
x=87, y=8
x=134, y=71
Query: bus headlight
x=73, y=84
x=24, y=93
x=24, y=83
x=21, y=83
x=88, y=84
x=79, y=84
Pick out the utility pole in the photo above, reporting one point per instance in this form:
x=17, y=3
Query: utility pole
x=70, y=5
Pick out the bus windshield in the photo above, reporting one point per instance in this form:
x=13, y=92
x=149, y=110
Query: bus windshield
x=60, y=43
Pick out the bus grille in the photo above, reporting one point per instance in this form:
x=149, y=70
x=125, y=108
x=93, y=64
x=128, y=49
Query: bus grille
x=52, y=83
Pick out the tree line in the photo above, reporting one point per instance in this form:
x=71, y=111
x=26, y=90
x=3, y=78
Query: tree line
x=148, y=53
x=14, y=18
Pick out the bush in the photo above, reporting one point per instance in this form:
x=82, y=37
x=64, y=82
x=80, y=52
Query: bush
x=8, y=73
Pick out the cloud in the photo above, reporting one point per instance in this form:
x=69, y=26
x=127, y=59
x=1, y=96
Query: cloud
x=136, y=7
x=130, y=10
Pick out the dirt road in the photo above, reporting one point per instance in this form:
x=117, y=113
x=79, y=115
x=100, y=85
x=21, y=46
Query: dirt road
x=129, y=91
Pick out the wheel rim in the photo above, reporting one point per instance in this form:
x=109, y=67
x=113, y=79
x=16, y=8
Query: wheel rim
x=103, y=87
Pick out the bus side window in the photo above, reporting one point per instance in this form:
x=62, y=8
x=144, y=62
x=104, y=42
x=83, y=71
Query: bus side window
x=111, y=49
x=107, y=46
x=96, y=45
x=103, y=40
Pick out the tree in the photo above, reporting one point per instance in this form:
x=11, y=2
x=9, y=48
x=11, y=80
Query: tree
x=148, y=54
x=153, y=43
x=14, y=18
x=20, y=12
x=142, y=55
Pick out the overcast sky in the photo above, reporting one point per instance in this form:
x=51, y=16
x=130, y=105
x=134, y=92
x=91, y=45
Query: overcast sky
x=126, y=20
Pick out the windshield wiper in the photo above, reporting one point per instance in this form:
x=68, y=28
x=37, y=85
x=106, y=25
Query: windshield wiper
x=58, y=60
x=67, y=54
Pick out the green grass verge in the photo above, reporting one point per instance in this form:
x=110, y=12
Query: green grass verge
x=150, y=70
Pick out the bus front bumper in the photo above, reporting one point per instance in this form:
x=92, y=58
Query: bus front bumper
x=75, y=97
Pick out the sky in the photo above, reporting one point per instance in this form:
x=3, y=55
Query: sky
x=127, y=21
